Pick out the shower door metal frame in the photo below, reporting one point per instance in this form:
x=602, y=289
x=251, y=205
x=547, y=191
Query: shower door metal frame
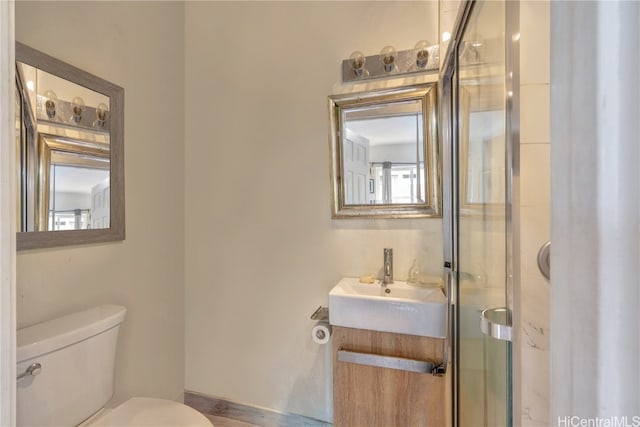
x=449, y=136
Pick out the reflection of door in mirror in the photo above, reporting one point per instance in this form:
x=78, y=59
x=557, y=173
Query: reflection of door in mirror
x=65, y=159
x=485, y=166
x=483, y=148
x=356, y=168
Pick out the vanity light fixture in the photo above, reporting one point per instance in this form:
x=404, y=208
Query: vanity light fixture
x=422, y=54
x=50, y=103
x=388, y=57
x=74, y=112
x=77, y=106
x=424, y=57
x=357, y=60
x=102, y=111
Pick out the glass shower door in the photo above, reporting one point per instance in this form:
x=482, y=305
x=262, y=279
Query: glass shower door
x=483, y=196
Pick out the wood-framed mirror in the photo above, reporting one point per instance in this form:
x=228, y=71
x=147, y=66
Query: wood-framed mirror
x=384, y=153
x=69, y=154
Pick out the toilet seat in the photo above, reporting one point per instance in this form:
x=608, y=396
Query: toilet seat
x=145, y=411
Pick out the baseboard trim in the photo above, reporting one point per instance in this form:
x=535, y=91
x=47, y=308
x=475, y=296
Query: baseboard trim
x=210, y=405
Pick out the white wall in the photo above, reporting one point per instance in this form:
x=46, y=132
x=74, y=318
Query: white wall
x=595, y=212
x=138, y=46
x=69, y=201
x=7, y=219
x=261, y=249
x=405, y=152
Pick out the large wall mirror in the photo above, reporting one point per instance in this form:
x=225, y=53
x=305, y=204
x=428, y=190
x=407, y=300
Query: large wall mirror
x=384, y=152
x=69, y=154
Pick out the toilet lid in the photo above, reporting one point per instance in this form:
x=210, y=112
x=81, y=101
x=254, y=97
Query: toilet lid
x=145, y=411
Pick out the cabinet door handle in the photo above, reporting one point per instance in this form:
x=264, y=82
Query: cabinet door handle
x=391, y=362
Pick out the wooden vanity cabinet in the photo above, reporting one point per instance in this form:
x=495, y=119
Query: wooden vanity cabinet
x=370, y=396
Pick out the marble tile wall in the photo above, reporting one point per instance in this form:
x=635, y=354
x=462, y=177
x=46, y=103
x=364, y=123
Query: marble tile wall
x=534, y=210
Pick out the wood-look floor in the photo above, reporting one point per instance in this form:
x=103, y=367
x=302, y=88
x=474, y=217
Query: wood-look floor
x=224, y=413
x=228, y=422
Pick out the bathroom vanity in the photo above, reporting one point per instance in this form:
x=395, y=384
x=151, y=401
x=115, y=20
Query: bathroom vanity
x=365, y=395
x=388, y=348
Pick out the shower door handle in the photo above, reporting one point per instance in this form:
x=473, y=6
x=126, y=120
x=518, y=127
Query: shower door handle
x=496, y=323
x=544, y=260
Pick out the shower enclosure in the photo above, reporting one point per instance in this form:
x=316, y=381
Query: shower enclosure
x=479, y=87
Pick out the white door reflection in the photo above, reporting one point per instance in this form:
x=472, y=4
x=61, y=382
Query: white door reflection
x=485, y=158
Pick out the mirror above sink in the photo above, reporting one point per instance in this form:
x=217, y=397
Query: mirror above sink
x=69, y=154
x=384, y=152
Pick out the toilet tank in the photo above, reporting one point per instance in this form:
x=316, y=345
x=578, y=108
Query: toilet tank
x=77, y=355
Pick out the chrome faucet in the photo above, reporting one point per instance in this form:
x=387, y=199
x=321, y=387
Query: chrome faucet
x=387, y=269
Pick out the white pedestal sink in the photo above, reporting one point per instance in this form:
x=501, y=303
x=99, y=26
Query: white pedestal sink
x=405, y=309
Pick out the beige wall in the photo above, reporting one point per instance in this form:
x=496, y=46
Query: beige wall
x=262, y=251
x=535, y=210
x=138, y=46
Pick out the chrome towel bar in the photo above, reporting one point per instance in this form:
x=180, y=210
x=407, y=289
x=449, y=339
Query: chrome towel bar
x=391, y=362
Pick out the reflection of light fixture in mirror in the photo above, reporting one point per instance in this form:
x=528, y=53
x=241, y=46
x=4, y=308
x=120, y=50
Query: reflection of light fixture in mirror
x=102, y=111
x=50, y=104
x=422, y=54
x=77, y=105
x=473, y=50
x=446, y=36
x=31, y=85
x=388, y=58
x=357, y=61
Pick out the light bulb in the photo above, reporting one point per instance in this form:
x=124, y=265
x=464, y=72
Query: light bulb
x=388, y=57
x=77, y=105
x=50, y=103
x=357, y=60
x=102, y=112
x=422, y=55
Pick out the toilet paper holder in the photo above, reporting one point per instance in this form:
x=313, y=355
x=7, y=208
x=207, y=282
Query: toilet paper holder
x=321, y=314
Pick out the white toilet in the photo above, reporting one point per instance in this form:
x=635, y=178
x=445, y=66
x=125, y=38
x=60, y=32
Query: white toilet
x=69, y=372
